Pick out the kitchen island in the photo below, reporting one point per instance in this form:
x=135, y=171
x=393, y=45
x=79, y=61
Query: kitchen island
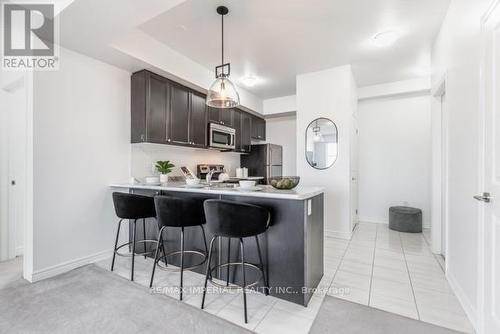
x=292, y=247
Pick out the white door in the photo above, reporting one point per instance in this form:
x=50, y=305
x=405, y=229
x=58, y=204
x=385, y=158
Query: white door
x=490, y=199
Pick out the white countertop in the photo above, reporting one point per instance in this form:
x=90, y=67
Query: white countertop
x=299, y=193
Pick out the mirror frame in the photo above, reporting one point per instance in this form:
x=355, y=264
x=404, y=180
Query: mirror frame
x=305, y=142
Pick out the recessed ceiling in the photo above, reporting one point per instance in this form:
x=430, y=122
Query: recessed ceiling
x=276, y=40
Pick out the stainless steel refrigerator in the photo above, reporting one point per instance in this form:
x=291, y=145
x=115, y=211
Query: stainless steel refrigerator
x=264, y=160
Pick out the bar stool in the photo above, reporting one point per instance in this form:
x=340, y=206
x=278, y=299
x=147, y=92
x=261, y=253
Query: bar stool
x=182, y=213
x=235, y=220
x=132, y=207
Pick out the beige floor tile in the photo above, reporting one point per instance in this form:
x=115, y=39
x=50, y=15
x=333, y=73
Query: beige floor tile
x=279, y=321
x=394, y=305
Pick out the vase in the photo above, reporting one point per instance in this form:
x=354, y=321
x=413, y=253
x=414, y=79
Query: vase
x=163, y=178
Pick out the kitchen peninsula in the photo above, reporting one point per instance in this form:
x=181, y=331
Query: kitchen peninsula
x=292, y=247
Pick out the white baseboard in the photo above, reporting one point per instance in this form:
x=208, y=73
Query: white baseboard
x=69, y=265
x=19, y=251
x=468, y=307
x=338, y=234
x=373, y=221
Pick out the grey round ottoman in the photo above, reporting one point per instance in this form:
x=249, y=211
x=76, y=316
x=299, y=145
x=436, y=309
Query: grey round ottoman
x=405, y=219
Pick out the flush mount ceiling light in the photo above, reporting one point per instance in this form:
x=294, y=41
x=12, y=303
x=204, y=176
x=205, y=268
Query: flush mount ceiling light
x=222, y=93
x=385, y=38
x=249, y=80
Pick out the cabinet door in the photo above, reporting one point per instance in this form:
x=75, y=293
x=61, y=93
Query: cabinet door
x=237, y=127
x=258, y=128
x=226, y=117
x=179, y=115
x=156, y=114
x=198, y=121
x=213, y=115
x=246, y=129
x=262, y=129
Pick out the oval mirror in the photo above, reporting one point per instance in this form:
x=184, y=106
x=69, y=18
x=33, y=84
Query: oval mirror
x=321, y=143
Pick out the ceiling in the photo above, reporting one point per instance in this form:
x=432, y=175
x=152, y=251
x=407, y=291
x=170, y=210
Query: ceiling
x=276, y=40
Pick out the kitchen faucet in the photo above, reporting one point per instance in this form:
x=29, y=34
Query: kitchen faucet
x=209, y=177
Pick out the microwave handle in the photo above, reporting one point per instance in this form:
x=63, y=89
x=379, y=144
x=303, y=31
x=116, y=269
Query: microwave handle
x=232, y=139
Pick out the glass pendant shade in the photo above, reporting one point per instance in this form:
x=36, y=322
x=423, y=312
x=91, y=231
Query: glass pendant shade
x=222, y=94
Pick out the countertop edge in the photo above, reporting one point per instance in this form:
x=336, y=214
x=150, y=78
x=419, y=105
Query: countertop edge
x=262, y=194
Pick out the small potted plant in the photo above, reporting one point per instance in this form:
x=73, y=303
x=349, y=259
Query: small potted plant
x=164, y=167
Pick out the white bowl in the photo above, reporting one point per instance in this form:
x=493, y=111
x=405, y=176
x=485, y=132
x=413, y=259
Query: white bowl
x=245, y=184
x=192, y=182
x=152, y=179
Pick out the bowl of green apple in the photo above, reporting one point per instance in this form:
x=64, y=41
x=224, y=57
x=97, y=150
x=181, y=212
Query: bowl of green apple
x=284, y=182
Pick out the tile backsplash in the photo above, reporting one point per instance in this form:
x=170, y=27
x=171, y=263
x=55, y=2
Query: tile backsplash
x=143, y=156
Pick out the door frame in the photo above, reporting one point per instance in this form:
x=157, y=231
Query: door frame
x=493, y=10
x=439, y=170
x=10, y=82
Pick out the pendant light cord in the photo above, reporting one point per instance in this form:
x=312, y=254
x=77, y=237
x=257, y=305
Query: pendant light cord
x=222, y=39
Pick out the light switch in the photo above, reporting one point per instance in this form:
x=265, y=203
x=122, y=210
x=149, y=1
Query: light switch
x=309, y=207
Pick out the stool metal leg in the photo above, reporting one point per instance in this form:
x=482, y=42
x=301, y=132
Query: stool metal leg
x=133, y=250
x=160, y=240
x=228, y=259
x=163, y=249
x=244, y=280
x=116, y=244
x=144, y=235
x=182, y=260
x=266, y=285
x=208, y=270
x=204, y=240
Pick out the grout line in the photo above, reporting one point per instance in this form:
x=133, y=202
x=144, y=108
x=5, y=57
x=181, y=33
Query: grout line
x=343, y=255
x=264, y=316
x=373, y=266
x=409, y=277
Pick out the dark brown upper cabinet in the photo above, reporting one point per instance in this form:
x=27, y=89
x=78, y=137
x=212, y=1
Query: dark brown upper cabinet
x=246, y=132
x=213, y=115
x=178, y=120
x=198, y=121
x=258, y=128
x=221, y=116
x=150, y=106
x=237, y=127
x=226, y=117
x=166, y=112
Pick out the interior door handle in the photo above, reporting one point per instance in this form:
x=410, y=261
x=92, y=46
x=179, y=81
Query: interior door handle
x=485, y=197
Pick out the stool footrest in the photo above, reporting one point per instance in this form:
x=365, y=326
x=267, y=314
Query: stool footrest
x=136, y=253
x=166, y=268
x=229, y=264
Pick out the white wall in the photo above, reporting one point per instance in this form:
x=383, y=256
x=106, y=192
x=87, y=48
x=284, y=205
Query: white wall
x=144, y=155
x=332, y=94
x=81, y=144
x=282, y=131
x=456, y=55
x=279, y=105
x=394, y=155
x=143, y=47
x=417, y=85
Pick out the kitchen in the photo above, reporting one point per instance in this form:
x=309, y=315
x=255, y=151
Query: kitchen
x=166, y=113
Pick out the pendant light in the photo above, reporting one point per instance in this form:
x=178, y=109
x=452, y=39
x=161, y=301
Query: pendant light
x=222, y=93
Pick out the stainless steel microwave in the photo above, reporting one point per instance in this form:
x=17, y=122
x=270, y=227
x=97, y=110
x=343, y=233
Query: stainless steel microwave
x=220, y=136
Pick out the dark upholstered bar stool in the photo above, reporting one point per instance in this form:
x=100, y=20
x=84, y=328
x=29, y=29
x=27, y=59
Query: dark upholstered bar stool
x=235, y=220
x=132, y=207
x=182, y=213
